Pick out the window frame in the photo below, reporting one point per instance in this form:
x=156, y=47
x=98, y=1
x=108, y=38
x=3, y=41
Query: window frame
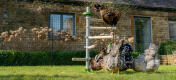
x=149, y=27
x=61, y=19
x=170, y=21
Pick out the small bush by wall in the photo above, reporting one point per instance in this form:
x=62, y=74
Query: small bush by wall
x=167, y=47
x=135, y=54
x=10, y=57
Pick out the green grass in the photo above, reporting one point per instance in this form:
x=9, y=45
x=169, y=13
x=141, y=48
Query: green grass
x=78, y=73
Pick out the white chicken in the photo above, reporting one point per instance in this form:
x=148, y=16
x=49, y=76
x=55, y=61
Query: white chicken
x=148, y=61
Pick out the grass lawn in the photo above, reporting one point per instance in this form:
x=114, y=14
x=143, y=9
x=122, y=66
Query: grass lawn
x=78, y=73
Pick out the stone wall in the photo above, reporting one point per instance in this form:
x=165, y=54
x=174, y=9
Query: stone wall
x=37, y=14
x=19, y=15
x=159, y=24
x=30, y=15
x=168, y=60
x=160, y=31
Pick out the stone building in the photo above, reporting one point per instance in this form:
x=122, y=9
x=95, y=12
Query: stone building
x=146, y=21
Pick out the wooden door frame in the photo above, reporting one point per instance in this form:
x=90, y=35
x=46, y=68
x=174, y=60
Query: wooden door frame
x=133, y=27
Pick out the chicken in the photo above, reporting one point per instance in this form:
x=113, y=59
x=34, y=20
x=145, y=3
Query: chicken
x=118, y=59
x=113, y=61
x=97, y=62
x=126, y=54
x=109, y=17
x=147, y=61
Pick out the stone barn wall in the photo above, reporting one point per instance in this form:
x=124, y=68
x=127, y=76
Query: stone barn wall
x=29, y=15
x=168, y=59
x=159, y=24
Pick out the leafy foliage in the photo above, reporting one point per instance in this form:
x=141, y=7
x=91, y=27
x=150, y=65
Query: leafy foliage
x=135, y=54
x=167, y=47
x=11, y=57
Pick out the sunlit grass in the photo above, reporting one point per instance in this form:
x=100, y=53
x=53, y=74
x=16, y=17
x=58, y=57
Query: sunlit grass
x=78, y=73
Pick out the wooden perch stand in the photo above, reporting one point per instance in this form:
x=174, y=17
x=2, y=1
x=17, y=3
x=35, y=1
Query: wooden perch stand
x=97, y=20
x=100, y=37
x=92, y=46
x=78, y=59
x=102, y=28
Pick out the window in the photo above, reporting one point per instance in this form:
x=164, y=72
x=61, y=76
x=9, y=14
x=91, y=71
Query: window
x=172, y=30
x=62, y=21
x=4, y=15
x=142, y=33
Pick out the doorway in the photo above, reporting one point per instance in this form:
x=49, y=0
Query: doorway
x=142, y=33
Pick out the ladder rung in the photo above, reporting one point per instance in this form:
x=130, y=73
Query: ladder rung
x=92, y=46
x=96, y=20
x=102, y=27
x=100, y=37
x=79, y=59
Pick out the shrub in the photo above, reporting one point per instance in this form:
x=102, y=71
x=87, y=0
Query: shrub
x=135, y=54
x=11, y=57
x=37, y=39
x=167, y=47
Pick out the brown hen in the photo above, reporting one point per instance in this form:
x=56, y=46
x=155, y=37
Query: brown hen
x=109, y=17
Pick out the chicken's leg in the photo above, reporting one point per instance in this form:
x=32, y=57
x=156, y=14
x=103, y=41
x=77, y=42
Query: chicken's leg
x=118, y=70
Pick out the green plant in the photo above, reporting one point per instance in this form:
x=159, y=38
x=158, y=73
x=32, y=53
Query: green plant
x=167, y=47
x=135, y=54
x=11, y=57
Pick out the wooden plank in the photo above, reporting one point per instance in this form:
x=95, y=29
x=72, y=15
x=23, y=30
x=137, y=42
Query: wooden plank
x=96, y=20
x=102, y=28
x=92, y=46
x=100, y=37
x=78, y=59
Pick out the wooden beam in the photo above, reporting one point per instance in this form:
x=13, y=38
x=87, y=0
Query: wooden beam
x=100, y=37
x=102, y=27
x=97, y=20
x=92, y=46
x=78, y=59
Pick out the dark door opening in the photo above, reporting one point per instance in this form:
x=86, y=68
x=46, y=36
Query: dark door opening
x=142, y=33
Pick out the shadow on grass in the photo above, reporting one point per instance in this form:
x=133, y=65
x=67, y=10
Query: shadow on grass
x=21, y=76
x=110, y=72
x=158, y=72
x=128, y=72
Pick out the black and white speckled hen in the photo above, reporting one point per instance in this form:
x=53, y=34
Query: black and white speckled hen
x=109, y=17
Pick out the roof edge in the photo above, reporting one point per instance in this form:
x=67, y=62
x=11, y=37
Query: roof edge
x=82, y=3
